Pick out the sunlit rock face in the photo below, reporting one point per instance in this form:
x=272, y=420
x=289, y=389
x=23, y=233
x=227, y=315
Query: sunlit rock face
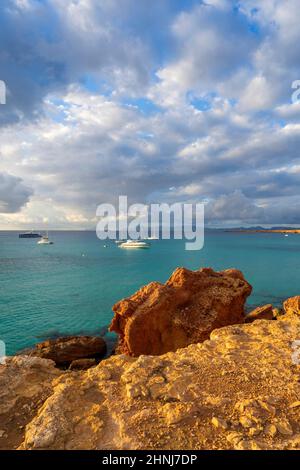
x=292, y=305
x=164, y=317
x=238, y=390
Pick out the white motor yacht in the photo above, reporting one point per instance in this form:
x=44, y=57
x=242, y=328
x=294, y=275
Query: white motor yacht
x=131, y=244
x=45, y=240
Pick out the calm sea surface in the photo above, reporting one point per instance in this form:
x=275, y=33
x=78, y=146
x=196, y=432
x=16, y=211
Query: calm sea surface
x=70, y=287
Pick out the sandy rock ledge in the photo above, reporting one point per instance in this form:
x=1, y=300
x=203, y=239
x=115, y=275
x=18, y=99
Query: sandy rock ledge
x=238, y=390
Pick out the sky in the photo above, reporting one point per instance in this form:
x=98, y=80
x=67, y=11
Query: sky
x=162, y=101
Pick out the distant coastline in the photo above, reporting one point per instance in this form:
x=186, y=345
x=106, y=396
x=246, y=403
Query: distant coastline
x=297, y=231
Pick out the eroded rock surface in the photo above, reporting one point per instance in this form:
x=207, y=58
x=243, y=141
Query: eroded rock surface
x=65, y=350
x=292, y=305
x=25, y=383
x=164, y=317
x=266, y=312
x=239, y=390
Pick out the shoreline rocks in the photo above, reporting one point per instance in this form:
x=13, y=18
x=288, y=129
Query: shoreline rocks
x=66, y=350
x=266, y=312
x=236, y=390
x=165, y=317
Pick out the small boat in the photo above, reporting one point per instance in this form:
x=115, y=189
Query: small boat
x=286, y=235
x=118, y=242
x=132, y=244
x=45, y=240
x=30, y=235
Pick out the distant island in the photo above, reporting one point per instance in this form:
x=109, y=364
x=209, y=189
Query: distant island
x=265, y=230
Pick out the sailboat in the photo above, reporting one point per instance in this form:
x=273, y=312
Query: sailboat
x=45, y=240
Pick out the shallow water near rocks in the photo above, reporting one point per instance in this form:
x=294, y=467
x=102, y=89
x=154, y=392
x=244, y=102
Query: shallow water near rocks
x=69, y=287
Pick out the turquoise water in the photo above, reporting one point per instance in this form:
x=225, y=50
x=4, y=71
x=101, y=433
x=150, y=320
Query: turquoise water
x=70, y=287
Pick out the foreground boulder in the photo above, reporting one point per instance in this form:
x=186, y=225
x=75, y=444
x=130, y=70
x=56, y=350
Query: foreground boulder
x=240, y=390
x=164, y=317
x=266, y=312
x=63, y=351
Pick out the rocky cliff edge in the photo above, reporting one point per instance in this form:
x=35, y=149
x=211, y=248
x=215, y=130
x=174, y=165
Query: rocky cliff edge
x=238, y=390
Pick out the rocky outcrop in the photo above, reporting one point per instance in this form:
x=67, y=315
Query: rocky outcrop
x=292, y=305
x=266, y=312
x=63, y=351
x=164, y=317
x=25, y=383
x=238, y=390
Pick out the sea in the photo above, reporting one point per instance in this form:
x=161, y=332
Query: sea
x=69, y=288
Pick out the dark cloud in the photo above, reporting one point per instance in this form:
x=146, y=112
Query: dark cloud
x=13, y=193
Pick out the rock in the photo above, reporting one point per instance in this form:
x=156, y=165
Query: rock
x=291, y=306
x=82, y=364
x=261, y=313
x=165, y=317
x=111, y=406
x=254, y=431
x=246, y=422
x=295, y=404
x=67, y=349
x=25, y=383
x=177, y=414
x=219, y=423
x=285, y=428
x=234, y=438
x=270, y=430
x=277, y=312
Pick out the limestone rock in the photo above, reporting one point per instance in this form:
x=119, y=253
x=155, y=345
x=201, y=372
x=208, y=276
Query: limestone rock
x=261, y=313
x=165, y=317
x=25, y=383
x=277, y=312
x=64, y=350
x=219, y=423
x=292, y=305
x=285, y=428
x=270, y=430
x=181, y=400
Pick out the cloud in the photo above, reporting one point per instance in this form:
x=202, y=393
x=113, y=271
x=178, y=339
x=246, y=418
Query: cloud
x=13, y=193
x=48, y=45
x=233, y=207
x=172, y=103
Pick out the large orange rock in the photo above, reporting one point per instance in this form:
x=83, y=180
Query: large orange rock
x=165, y=317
